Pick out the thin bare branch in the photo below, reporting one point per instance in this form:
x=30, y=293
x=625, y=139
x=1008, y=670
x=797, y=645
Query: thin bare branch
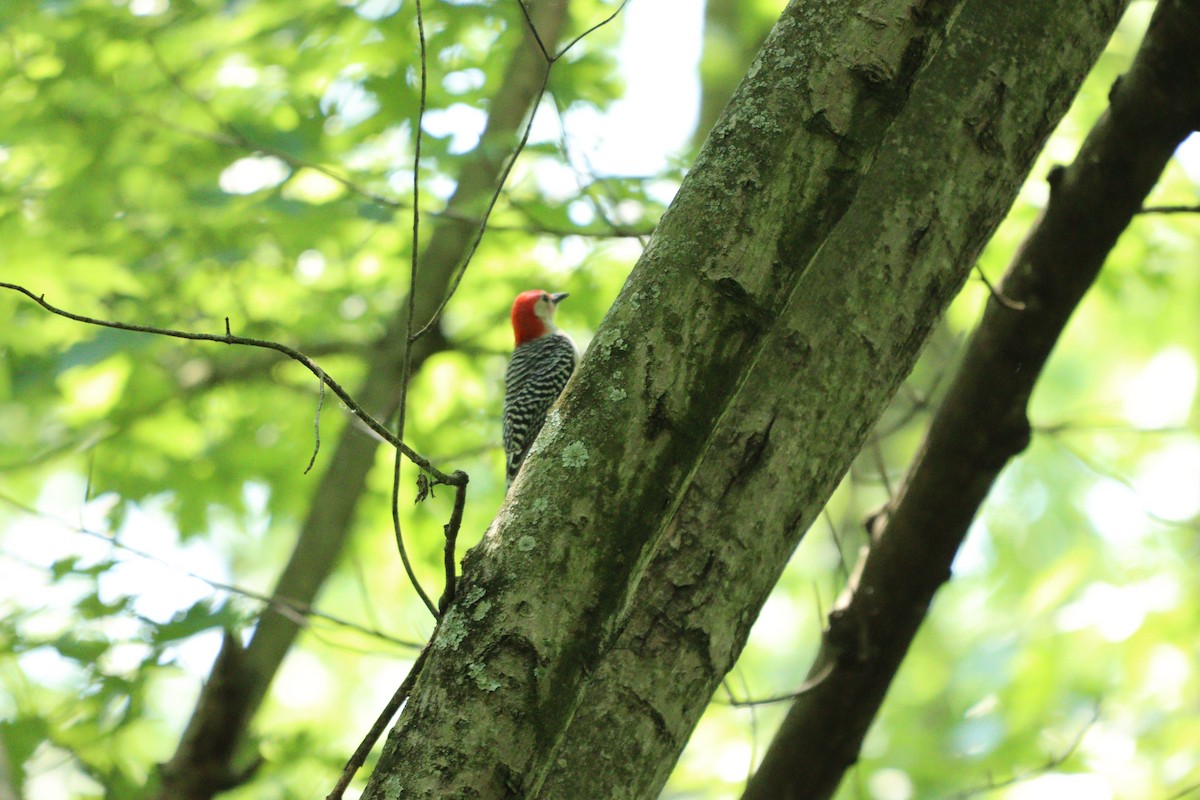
x=1124, y=428
x=364, y=749
x=406, y=359
x=589, y=31
x=537, y=37
x=512, y=160
x=452, y=528
x=996, y=295
x=316, y=426
x=1169, y=210
x=805, y=688
x=837, y=542
x=234, y=135
x=295, y=611
x=452, y=479
x=1100, y=470
x=355, y=186
x=881, y=468
x=1052, y=763
x=587, y=182
x=1185, y=791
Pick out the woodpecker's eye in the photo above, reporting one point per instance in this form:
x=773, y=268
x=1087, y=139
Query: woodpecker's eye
x=545, y=297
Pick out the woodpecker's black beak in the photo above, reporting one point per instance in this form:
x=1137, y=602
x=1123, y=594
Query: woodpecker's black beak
x=558, y=298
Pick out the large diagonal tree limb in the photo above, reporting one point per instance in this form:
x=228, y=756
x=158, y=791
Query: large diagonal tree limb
x=782, y=300
x=203, y=763
x=981, y=425
x=948, y=169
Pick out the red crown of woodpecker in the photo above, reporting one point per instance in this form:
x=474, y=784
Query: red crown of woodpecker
x=527, y=322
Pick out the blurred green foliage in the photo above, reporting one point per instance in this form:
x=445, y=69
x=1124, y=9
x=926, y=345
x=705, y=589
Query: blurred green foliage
x=171, y=163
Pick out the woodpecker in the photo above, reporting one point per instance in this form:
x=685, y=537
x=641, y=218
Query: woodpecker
x=542, y=362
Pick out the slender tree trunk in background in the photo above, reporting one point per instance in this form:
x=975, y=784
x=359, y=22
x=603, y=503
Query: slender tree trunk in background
x=834, y=212
x=982, y=421
x=203, y=763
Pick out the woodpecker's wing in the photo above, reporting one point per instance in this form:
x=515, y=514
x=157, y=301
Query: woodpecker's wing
x=536, y=375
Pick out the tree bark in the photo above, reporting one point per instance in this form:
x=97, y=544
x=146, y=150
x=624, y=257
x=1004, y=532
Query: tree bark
x=981, y=425
x=833, y=213
x=203, y=763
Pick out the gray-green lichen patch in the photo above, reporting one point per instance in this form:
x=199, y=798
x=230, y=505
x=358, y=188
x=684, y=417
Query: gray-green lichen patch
x=479, y=674
x=550, y=429
x=616, y=394
x=526, y=543
x=652, y=294
x=575, y=455
x=481, y=610
x=454, y=630
x=608, y=341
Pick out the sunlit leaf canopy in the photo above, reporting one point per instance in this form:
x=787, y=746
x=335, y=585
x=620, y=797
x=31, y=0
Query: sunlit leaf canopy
x=180, y=163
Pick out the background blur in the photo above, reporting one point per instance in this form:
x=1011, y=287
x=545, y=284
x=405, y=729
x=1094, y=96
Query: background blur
x=167, y=163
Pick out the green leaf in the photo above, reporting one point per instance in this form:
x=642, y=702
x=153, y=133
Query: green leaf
x=200, y=616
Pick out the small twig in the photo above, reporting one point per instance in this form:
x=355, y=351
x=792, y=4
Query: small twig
x=730, y=697
x=364, y=749
x=406, y=361
x=1013, y=305
x=1072, y=426
x=483, y=222
x=881, y=466
x=296, y=355
x=452, y=528
x=317, y=427
x=1050, y=764
x=535, y=227
x=227, y=138
x=817, y=600
x=360, y=582
x=295, y=611
x=805, y=687
x=915, y=407
x=235, y=135
x=354, y=187
x=1104, y=471
x=587, y=182
x=404, y=559
x=1185, y=791
x=550, y=59
x=1169, y=210
x=837, y=542
x=537, y=37
x=589, y=31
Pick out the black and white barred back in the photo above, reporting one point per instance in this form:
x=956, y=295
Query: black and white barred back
x=536, y=375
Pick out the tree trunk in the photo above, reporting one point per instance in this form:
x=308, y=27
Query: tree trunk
x=835, y=210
